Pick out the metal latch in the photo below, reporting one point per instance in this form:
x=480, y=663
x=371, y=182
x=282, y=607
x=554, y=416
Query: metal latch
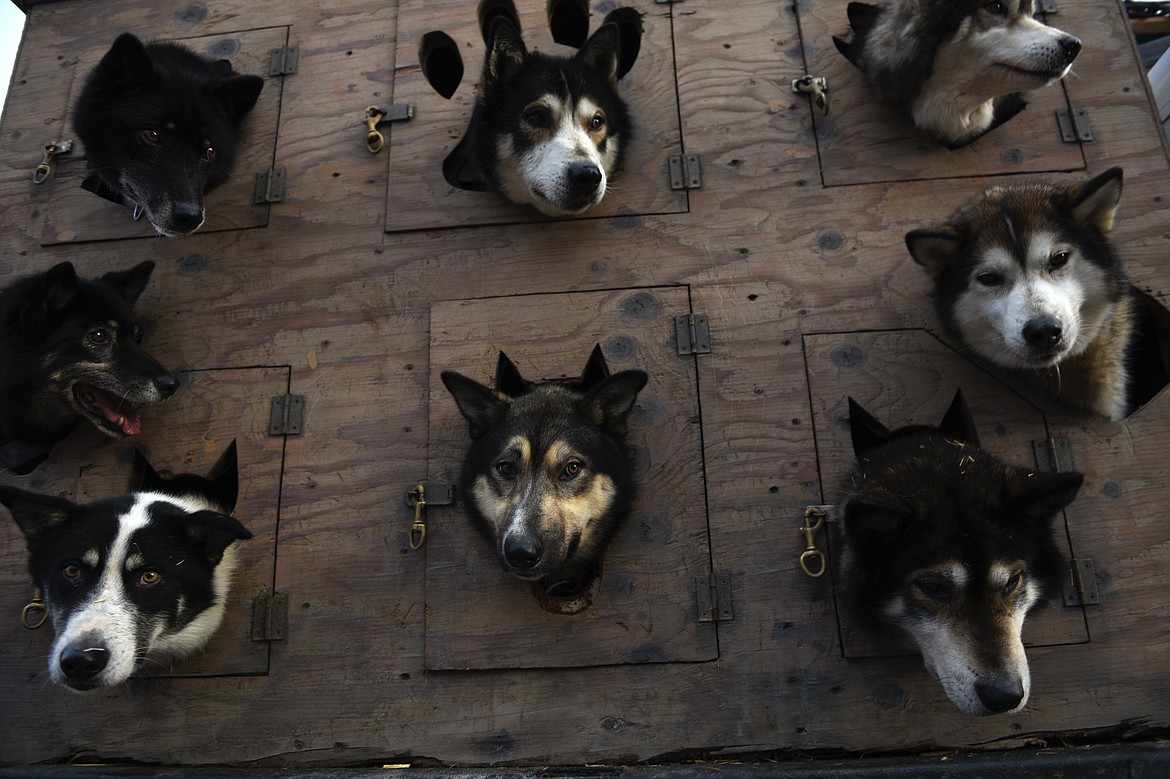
x=686, y=172
x=692, y=334
x=45, y=168
x=713, y=597
x=286, y=415
x=817, y=88
x=419, y=498
x=283, y=61
x=1080, y=586
x=375, y=116
x=269, y=187
x=270, y=617
x=812, y=559
x=1074, y=127
x=1053, y=455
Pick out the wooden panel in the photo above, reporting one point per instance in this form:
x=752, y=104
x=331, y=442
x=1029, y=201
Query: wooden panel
x=480, y=617
x=419, y=196
x=73, y=214
x=863, y=141
x=186, y=434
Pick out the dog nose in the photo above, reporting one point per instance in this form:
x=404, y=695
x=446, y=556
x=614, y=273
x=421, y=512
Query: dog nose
x=1002, y=696
x=81, y=665
x=167, y=384
x=584, y=176
x=1043, y=332
x=523, y=554
x=185, y=217
x=1071, y=45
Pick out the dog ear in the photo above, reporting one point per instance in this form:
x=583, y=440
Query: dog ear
x=224, y=479
x=125, y=65
x=50, y=293
x=958, y=424
x=1094, y=203
x=865, y=431
x=935, y=250
x=238, y=94
x=505, y=53
x=508, y=378
x=603, y=51
x=596, y=369
x=1040, y=496
x=876, y=514
x=482, y=407
x=143, y=476
x=214, y=531
x=35, y=514
x=629, y=24
x=607, y=404
x=130, y=283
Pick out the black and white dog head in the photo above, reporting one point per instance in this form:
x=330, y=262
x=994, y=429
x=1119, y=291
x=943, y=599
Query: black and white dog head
x=547, y=473
x=952, y=546
x=133, y=578
x=550, y=131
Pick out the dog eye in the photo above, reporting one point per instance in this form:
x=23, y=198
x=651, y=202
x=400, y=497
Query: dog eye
x=538, y=116
x=98, y=337
x=990, y=278
x=209, y=154
x=1058, y=260
x=151, y=136
x=935, y=589
x=72, y=572
x=149, y=578
x=597, y=122
x=571, y=470
x=995, y=8
x=1012, y=585
x=506, y=469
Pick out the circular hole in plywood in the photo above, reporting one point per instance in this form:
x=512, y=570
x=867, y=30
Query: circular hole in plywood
x=1149, y=354
x=442, y=66
x=568, y=596
x=490, y=10
x=568, y=20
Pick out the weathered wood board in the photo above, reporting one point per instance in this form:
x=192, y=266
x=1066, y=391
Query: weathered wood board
x=794, y=240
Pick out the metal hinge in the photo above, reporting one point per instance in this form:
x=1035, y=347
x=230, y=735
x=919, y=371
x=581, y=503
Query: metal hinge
x=1053, y=455
x=270, y=617
x=1080, y=586
x=713, y=597
x=283, y=61
x=1074, y=128
x=692, y=334
x=286, y=415
x=686, y=172
x=269, y=187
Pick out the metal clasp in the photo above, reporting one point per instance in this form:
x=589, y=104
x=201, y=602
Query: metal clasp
x=418, y=529
x=45, y=169
x=27, y=617
x=374, y=139
x=815, y=86
x=812, y=561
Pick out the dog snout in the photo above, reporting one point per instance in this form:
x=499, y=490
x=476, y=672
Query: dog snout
x=584, y=176
x=521, y=553
x=1070, y=45
x=1043, y=332
x=1000, y=695
x=186, y=217
x=166, y=384
x=81, y=665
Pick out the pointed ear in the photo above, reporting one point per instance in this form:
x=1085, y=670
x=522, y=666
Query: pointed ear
x=56, y=288
x=238, y=94
x=629, y=24
x=596, y=370
x=1094, y=203
x=508, y=378
x=957, y=424
x=607, y=404
x=866, y=432
x=1040, y=496
x=934, y=250
x=602, y=51
x=215, y=531
x=505, y=52
x=482, y=407
x=874, y=517
x=143, y=476
x=224, y=479
x=130, y=283
x=35, y=514
x=124, y=66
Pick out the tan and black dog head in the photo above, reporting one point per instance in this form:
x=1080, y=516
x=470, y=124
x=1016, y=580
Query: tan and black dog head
x=547, y=472
x=954, y=547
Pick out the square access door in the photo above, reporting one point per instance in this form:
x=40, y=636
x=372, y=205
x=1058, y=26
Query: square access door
x=644, y=611
x=907, y=377
x=863, y=141
x=70, y=214
x=418, y=195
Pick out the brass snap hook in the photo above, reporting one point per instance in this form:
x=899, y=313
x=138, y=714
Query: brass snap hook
x=418, y=528
x=36, y=613
x=45, y=168
x=815, y=86
x=812, y=561
x=374, y=139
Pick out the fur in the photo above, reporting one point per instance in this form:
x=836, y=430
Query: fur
x=953, y=547
x=958, y=67
x=142, y=577
x=547, y=476
x=68, y=351
x=160, y=125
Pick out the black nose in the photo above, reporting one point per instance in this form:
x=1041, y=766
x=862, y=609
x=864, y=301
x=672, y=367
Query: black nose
x=1071, y=46
x=81, y=665
x=584, y=176
x=999, y=697
x=185, y=217
x=522, y=553
x=167, y=384
x=1043, y=332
